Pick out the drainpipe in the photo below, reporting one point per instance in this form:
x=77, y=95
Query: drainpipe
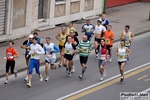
x=149, y=14
x=104, y=9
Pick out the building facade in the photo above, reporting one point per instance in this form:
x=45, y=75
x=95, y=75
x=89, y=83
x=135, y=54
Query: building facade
x=19, y=18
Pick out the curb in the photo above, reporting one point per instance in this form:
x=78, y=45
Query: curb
x=57, y=59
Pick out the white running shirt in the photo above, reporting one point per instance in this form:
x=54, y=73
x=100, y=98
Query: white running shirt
x=39, y=50
x=69, y=48
x=50, y=48
x=122, y=54
x=98, y=29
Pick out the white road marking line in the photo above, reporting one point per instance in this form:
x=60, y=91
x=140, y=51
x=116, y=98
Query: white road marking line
x=94, y=85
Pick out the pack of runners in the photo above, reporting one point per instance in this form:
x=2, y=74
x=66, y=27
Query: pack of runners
x=68, y=46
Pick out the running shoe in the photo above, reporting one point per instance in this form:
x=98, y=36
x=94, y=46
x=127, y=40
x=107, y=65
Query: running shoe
x=59, y=65
x=47, y=78
x=96, y=57
x=122, y=80
x=104, y=72
x=29, y=84
x=73, y=69
x=69, y=74
x=6, y=82
x=16, y=74
x=110, y=60
x=41, y=77
x=80, y=77
x=26, y=79
x=102, y=78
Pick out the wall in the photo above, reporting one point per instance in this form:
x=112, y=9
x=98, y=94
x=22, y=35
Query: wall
x=19, y=13
x=112, y=3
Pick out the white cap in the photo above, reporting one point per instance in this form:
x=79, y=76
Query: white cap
x=30, y=36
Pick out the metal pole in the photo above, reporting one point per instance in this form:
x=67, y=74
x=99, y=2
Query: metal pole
x=149, y=14
x=104, y=9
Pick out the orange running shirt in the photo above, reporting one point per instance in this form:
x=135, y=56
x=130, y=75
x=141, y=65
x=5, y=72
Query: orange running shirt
x=11, y=52
x=109, y=36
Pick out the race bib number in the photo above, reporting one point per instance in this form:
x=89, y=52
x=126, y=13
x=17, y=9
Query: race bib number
x=28, y=49
x=121, y=57
x=88, y=29
x=127, y=43
x=85, y=50
x=33, y=55
x=107, y=41
x=103, y=57
x=62, y=39
x=68, y=52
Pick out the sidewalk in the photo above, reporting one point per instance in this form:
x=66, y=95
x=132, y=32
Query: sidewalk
x=136, y=15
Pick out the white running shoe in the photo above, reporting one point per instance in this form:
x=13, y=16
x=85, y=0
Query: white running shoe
x=96, y=57
x=73, y=69
x=80, y=77
x=102, y=78
x=41, y=77
x=104, y=72
x=6, y=82
x=26, y=79
x=69, y=74
x=110, y=60
x=47, y=78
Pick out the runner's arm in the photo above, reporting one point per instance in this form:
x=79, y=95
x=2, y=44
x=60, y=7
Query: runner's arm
x=15, y=54
x=74, y=49
x=132, y=37
x=90, y=48
x=83, y=29
x=76, y=39
x=112, y=36
x=122, y=37
x=97, y=49
x=44, y=49
x=76, y=33
x=57, y=37
x=128, y=51
x=116, y=52
x=56, y=49
x=41, y=50
x=23, y=46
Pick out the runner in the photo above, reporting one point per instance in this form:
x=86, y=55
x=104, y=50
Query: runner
x=70, y=50
x=39, y=39
x=34, y=62
x=109, y=37
x=11, y=54
x=102, y=51
x=105, y=22
x=75, y=42
x=128, y=37
x=61, y=37
x=122, y=52
x=50, y=50
x=26, y=45
x=85, y=48
x=88, y=29
x=70, y=27
x=98, y=31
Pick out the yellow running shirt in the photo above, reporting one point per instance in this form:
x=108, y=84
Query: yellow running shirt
x=62, y=39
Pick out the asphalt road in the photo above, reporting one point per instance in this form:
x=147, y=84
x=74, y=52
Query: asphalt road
x=60, y=85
